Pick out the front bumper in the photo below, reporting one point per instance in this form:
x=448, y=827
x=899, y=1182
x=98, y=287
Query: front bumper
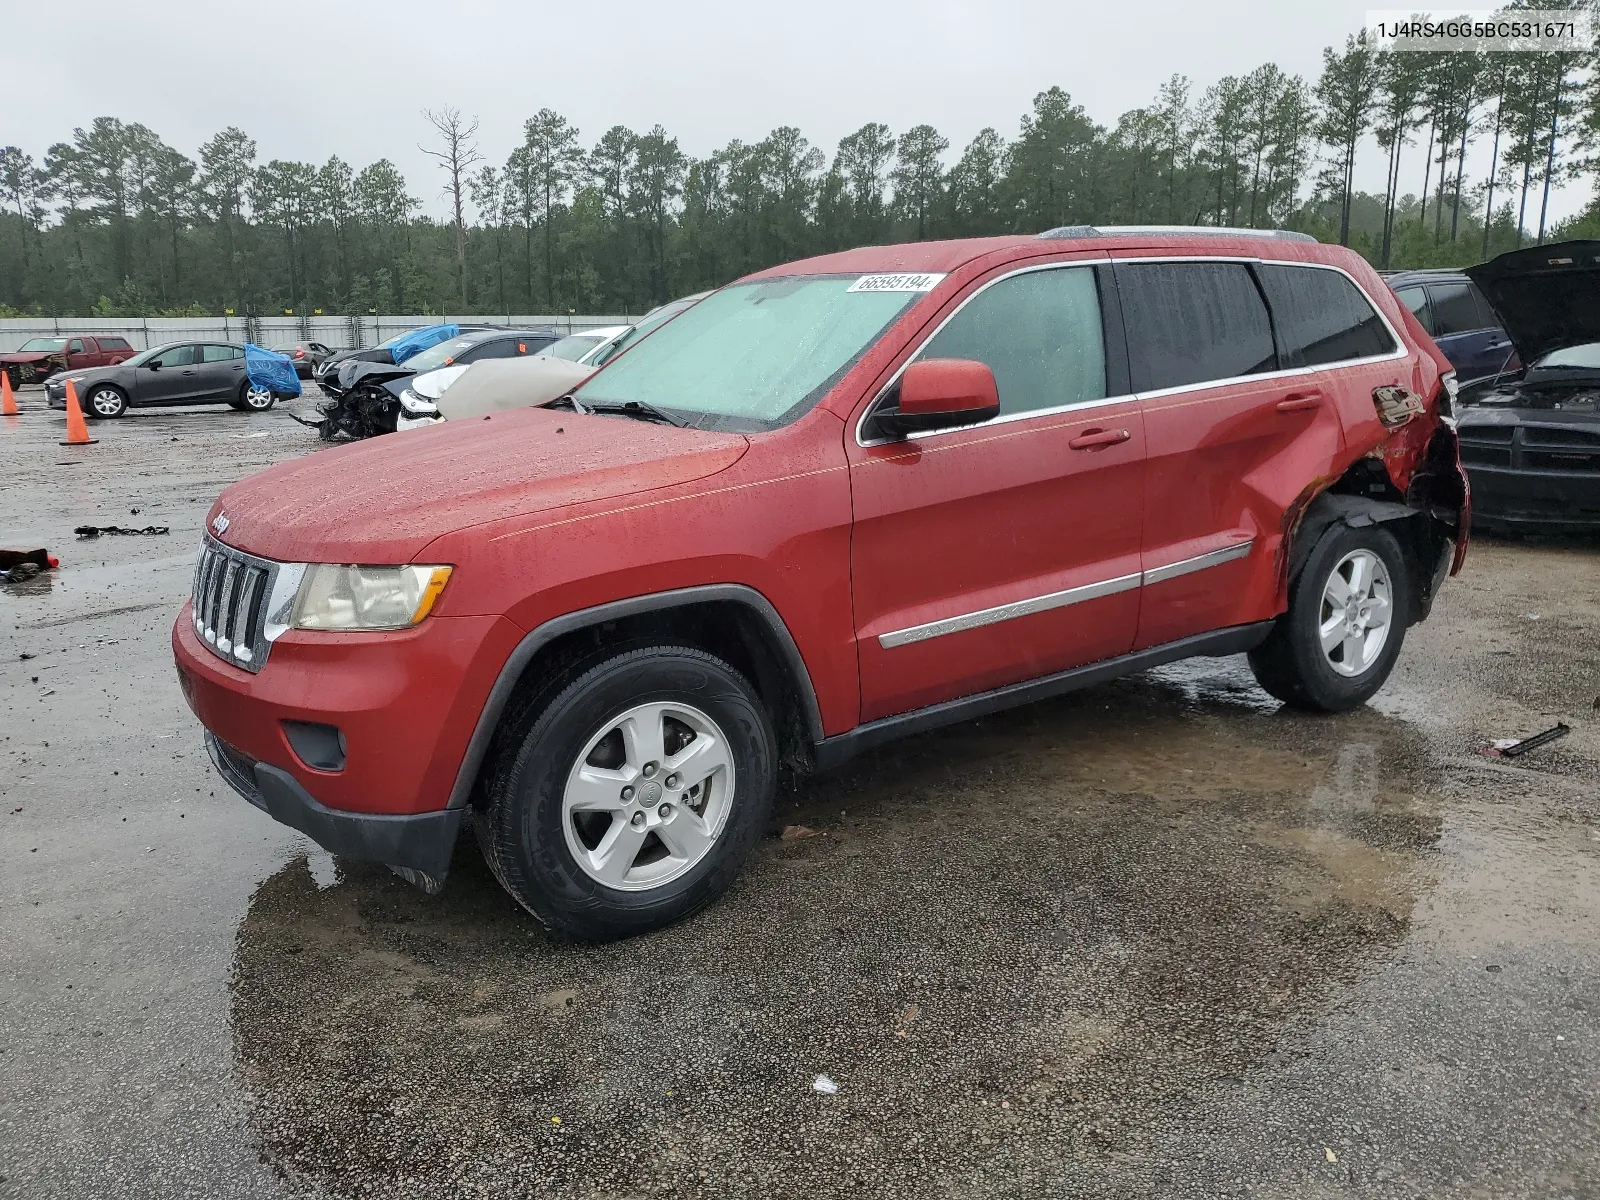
x=1510, y=497
x=406, y=703
x=423, y=843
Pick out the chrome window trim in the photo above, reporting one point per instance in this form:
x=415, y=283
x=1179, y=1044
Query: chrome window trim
x=1399, y=352
x=1052, y=600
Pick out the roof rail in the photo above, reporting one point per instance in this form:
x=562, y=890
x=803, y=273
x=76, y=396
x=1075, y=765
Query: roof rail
x=1091, y=231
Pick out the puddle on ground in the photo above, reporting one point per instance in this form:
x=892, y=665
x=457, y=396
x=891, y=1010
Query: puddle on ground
x=1012, y=943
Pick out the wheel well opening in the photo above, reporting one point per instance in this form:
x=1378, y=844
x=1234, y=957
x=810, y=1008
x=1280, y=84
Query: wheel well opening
x=1422, y=519
x=732, y=631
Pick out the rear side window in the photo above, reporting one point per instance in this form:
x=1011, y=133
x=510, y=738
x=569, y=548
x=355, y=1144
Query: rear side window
x=1455, y=309
x=1039, y=332
x=1416, y=299
x=220, y=353
x=1321, y=316
x=1192, y=323
x=114, y=343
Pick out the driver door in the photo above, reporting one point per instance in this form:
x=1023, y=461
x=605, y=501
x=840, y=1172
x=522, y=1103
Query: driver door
x=170, y=378
x=990, y=554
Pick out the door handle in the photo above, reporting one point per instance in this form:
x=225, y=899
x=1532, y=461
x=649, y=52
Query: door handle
x=1094, y=439
x=1299, y=402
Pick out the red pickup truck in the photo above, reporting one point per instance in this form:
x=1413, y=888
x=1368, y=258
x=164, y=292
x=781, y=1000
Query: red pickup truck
x=41, y=357
x=840, y=501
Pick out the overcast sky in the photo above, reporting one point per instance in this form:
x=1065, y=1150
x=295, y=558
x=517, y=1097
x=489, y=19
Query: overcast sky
x=308, y=80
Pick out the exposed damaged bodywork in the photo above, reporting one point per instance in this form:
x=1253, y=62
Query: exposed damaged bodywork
x=32, y=367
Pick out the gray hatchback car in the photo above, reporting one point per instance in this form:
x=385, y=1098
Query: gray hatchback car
x=177, y=373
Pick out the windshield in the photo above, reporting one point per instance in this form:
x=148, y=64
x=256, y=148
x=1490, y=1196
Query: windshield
x=753, y=355
x=572, y=348
x=42, y=345
x=144, y=356
x=1586, y=356
x=440, y=355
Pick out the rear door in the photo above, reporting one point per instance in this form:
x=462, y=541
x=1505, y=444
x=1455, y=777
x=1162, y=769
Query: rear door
x=1465, y=328
x=1232, y=443
x=1004, y=551
x=222, y=371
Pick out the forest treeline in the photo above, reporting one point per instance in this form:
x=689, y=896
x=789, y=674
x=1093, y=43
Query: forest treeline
x=115, y=222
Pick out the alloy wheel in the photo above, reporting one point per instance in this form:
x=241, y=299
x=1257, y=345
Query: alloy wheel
x=1357, y=607
x=649, y=796
x=258, y=397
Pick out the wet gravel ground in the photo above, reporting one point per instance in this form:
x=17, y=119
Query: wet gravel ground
x=1156, y=939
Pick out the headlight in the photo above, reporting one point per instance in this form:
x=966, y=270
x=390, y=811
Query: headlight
x=415, y=404
x=341, y=597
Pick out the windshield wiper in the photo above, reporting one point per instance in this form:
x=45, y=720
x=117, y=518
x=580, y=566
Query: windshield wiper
x=569, y=401
x=639, y=411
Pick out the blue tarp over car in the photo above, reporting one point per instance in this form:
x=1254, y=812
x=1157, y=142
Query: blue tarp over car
x=268, y=369
x=419, y=340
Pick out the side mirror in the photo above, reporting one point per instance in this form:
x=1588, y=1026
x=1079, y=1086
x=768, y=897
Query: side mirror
x=154, y=364
x=941, y=393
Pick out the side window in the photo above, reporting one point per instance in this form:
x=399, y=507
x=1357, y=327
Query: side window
x=213, y=354
x=114, y=343
x=1486, y=315
x=499, y=348
x=1454, y=309
x=178, y=356
x=1321, y=316
x=1039, y=332
x=1416, y=299
x=1193, y=323
x=75, y=346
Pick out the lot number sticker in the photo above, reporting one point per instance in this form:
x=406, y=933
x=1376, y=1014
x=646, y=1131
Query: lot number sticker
x=895, y=283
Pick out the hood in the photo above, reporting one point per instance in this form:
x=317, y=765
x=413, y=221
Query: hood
x=89, y=374
x=354, y=373
x=32, y=356
x=383, y=500
x=1547, y=297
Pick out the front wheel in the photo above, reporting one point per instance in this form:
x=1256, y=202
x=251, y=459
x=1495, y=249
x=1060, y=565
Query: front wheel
x=255, y=399
x=1335, y=646
x=106, y=401
x=634, y=796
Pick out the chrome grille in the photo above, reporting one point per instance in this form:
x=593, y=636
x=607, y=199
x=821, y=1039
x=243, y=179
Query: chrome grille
x=232, y=590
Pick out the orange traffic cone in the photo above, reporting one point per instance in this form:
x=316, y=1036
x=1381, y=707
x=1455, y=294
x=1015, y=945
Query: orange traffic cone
x=77, y=430
x=8, y=402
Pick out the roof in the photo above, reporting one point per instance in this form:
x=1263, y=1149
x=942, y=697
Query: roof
x=948, y=256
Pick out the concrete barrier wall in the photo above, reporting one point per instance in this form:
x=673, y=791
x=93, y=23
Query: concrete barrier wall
x=338, y=332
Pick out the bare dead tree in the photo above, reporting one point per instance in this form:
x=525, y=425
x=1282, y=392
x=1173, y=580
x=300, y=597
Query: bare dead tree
x=459, y=156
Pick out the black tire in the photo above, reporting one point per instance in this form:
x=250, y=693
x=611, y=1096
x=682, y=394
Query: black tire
x=520, y=826
x=249, y=400
x=104, y=401
x=1291, y=664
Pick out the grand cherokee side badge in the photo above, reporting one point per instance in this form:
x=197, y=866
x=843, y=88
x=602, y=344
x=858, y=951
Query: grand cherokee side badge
x=219, y=523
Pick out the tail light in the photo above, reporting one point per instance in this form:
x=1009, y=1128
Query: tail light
x=299, y=353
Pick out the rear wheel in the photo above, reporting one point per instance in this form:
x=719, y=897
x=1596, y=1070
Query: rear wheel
x=255, y=399
x=1335, y=646
x=632, y=797
x=104, y=400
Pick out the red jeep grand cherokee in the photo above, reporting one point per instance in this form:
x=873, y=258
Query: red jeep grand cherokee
x=836, y=502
